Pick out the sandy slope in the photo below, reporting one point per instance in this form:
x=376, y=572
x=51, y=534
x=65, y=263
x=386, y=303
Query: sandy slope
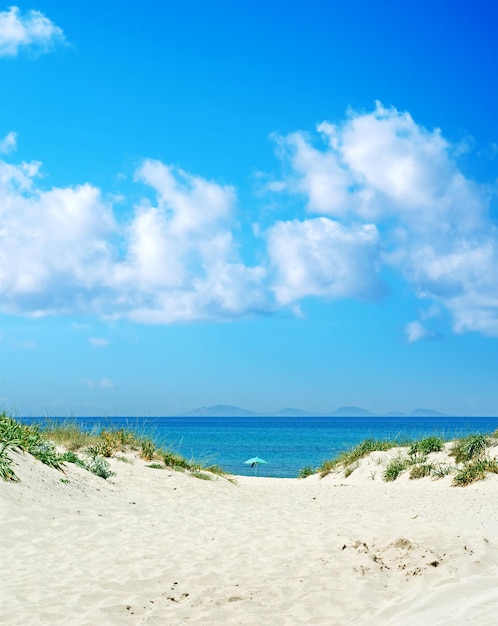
x=159, y=547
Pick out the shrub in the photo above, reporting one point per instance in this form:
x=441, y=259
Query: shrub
x=421, y=471
x=475, y=470
x=306, y=471
x=68, y=434
x=395, y=468
x=72, y=457
x=426, y=446
x=351, y=457
x=349, y=469
x=328, y=466
x=201, y=475
x=6, y=471
x=98, y=466
x=45, y=452
x=440, y=471
x=177, y=461
x=470, y=448
x=147, y=449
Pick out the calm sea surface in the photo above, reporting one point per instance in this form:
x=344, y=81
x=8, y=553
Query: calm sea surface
x=286, y=443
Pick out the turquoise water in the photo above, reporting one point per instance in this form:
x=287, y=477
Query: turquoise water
x=286, y=443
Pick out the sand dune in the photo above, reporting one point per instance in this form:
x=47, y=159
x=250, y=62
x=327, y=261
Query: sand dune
x=155, y=546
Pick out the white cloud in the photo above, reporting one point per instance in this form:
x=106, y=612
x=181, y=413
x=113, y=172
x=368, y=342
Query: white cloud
x=8, y=143
x=55, y=253
x=62, y=250
x=32, y=31
x=433, y=222
x=378, y=191
x=98, y=342
x=181, y=262
x=102, y=383
x=415, y=331
x=320, y=257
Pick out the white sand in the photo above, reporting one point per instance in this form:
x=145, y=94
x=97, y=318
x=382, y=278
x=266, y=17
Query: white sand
x=159, y=547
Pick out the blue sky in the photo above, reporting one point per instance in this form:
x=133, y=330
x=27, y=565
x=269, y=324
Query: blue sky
x=248, y=203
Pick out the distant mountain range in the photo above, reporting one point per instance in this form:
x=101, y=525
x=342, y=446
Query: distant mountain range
x=226, y=410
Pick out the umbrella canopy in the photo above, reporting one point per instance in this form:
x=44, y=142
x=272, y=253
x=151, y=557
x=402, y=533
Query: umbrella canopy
x=254, y=461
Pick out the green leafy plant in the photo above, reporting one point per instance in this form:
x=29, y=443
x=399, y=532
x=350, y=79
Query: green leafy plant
x=475, y=470
x=470, y=448
x=72, y=457
x=6, y=470
x=201, y=475
x=440, y=471
x=45, y=452
x=350, y=457
x=306, y=471
x=426, y=446
x=98, y=465
x=177, y=461
x=349, y=469
x=421, y=471
x=395, y=467
x=147, y=449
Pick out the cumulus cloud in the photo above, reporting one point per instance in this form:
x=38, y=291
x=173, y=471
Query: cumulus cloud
x=62, y=250
x=320, y=257
x=8, y=143
x=32, y=31
x=433, y=222
x=181, y=262
x=377, y=192
x=55, y=253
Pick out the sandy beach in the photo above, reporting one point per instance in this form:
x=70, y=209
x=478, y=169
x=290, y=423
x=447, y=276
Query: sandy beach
x=156, y=546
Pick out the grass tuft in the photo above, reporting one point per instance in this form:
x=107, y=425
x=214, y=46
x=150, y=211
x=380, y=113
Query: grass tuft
x=421, y=471
x=426, y=446
x=470, y=448
x=351, y=457
x=475, y=470
x=306, y=471
x=147, y=449
x=395, y=467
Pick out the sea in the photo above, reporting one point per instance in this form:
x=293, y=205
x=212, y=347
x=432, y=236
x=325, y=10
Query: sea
x=287, y=444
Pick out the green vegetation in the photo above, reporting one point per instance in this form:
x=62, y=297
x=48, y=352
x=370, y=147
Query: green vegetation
x=469, y=451
x=351, y=457
x=426, y=446
x=306, y=471
x=475, y=470
x=395, y=467
x=6, y=471
x=421, y=471
x=14, y=435
x=89, y=450
x=470, y=448
x=147, y=449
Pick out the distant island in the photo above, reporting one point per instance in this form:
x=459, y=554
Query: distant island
x=226, y=410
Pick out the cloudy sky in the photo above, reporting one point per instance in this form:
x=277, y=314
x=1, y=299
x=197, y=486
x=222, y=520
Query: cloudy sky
x=250, y=203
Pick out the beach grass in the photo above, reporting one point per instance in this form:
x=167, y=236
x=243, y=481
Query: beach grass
x=87, y=449
x=349, y=458
x=475, y=470
x=469, y=452
x=470, y=448
x=58, y=443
